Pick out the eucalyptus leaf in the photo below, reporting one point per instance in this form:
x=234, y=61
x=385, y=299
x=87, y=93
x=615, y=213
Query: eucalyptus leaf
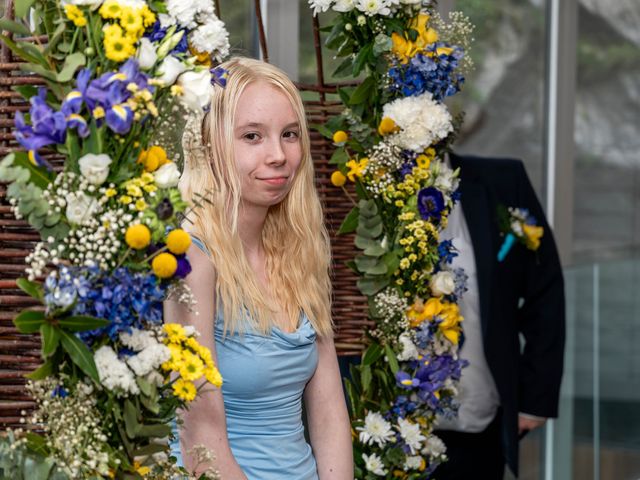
x=372, y=285
x=373, y=231
x=375, y=250
x=51, y=220
x=71, y=64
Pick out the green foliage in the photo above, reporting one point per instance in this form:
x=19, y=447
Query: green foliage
x=23, y=463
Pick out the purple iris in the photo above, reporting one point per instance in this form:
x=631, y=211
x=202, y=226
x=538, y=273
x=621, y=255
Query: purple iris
x=219, y=76
x=158, y=33
x=430, y=203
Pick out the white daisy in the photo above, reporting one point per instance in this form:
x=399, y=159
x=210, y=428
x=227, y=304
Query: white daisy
x=411, y=434
x=374, y=464
x=376, y=430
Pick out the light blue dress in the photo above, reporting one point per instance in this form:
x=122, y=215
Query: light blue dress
x=263, y=381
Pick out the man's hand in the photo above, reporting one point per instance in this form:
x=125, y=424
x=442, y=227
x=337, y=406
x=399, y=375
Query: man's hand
x=527, y=423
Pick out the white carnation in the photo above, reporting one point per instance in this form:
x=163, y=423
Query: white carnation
x=80, y=207
x=184, y=11
x=165, y=20
x=442, y=283
x=411, y=434
x=423, y=121
x=373, y=463
x=95, y=168
x=149, y=359
x=409, y=350
x=376, y=430
x=373, y=7
x=211, y=37
x=113, y=373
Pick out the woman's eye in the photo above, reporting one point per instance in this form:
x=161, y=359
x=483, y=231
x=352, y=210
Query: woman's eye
x=290, y=134
x=251, y=136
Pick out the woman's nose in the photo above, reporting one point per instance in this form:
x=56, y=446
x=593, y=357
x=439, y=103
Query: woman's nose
x=276, y=155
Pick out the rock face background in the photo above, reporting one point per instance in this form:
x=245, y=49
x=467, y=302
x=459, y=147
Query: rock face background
x=505, y=100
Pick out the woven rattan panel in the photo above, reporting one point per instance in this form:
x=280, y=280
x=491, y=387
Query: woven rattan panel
x=19, y=353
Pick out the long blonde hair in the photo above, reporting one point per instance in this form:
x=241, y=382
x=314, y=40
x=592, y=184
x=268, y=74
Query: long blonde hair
x=294, y=236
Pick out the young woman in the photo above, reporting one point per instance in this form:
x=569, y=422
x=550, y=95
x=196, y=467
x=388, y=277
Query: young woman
x=260, y=277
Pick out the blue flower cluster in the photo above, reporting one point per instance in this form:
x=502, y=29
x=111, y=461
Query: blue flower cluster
x=447, y=252
x=128, y=299
x=63, y=288
x=432, y=72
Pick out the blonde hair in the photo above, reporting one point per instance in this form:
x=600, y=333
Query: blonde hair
x=294, y=236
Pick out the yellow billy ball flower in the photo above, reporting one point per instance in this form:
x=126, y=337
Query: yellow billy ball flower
x=340, y=136
x=338, y=179
x=192, y=366
x=185, y=390
x=387, y=126
x=138, y=236
x=164, y=265
x=178, y=241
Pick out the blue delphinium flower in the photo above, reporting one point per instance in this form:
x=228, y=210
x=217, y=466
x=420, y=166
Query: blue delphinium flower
x=430, y=203
x=63, y=288
x=447, y=252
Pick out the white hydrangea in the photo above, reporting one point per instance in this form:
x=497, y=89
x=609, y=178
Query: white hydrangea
x=409, y=350
x=138, y=339
x=411, y=434
x=376, y=430
x=149, y=359
x=211, y=37
x=373, y=7
x=373, y=463
x=422, y=120
x=113, y=373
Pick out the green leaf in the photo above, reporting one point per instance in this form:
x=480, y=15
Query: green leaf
x=37, y=468
x=350, y=222
x=344, y=69
x=339, y=157
x=29, y=321
x=20, y=52
x=375, y=250
x=370, y=231
x=21, y=7
x=391, y=359
x=322, y=129
x=363, y=91
x=131, y=419
x=372, y=354
x=33, y=289
x=50, y=339
x=71, y=64
x=157, y=430
x=36, y=443
x=13, y=27
x=361, y=60
x=145, y=386
x=372, y=285
x=43, y=371
x=149, y=450
x=368, y=208
x=80, y=354
x=366, y=377
x=81, y=323
x=41, y=70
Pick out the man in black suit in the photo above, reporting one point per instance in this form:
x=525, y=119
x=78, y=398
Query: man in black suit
x=507, y=390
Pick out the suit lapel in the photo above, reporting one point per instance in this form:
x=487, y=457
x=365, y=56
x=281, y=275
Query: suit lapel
x=476, y=208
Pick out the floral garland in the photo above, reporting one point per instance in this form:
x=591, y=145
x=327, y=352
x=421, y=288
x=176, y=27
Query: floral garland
x=112, y=250
x=391, y=140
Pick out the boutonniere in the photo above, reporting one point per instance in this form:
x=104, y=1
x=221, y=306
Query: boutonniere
x=518, y=225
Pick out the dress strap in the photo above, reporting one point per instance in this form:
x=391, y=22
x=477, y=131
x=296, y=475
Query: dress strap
x=200, y=244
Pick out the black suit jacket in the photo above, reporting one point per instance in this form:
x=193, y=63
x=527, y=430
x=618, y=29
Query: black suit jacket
x=524, y=294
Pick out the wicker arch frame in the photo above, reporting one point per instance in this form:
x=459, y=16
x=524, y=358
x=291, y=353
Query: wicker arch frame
x=20, y=353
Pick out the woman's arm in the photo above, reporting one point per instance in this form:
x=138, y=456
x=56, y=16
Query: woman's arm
x=204, y=421
x=329, y=427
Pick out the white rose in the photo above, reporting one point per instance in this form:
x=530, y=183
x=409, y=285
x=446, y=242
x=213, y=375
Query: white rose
x=169, y=70
x=167, y=175
x=95, y=168
x=442, y=283
x=80, y=207
x=196, y=89
x=147, y=55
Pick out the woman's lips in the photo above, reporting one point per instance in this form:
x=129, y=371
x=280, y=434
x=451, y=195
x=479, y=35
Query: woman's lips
x=274, y=180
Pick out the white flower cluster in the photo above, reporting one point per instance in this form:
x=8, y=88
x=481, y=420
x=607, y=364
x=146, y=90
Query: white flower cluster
x=119, y=376
x=368, y=7
x=384, y=160
x=391, y=309
x=41, y=256
x=181, y=293
x=73, y=427
x=458, y=30
x=207, y=32
x=422, y=121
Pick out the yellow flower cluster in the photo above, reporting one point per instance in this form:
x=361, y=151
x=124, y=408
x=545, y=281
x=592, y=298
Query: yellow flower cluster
x=190, y=359
x=356, y=168
x=533, y=234
x=405, y=49
x=141, y=102
x=153, y=158
x=135, y=189
x=121, y=37
x=408, y=187
x=75, y=15
x=415, y=241
x=448, y=313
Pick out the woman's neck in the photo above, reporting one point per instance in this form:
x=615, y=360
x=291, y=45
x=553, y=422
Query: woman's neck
x=250, y=224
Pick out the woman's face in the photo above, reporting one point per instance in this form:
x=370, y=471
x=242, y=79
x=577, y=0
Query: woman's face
x=267, y=144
